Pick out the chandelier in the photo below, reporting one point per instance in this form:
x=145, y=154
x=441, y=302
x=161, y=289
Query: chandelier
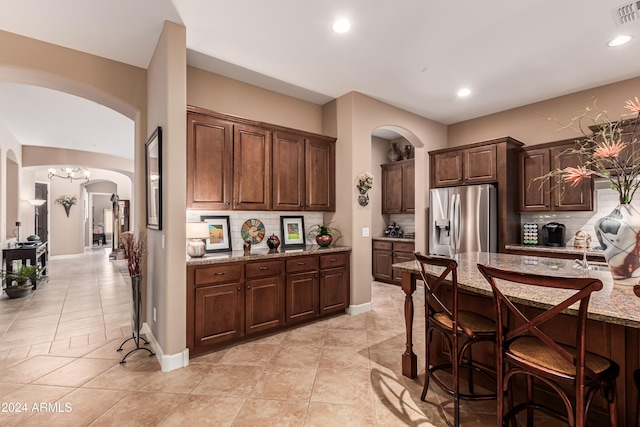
x=70, y=173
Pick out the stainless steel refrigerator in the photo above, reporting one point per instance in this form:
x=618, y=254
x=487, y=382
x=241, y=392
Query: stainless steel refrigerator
x=463, y=219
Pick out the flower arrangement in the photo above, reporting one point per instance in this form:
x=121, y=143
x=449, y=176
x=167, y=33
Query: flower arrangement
x=65, y=200
x=134, y=249
x=611, y=152
x=365, y=182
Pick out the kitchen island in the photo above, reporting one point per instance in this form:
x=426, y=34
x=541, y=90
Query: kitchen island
x=614, y=312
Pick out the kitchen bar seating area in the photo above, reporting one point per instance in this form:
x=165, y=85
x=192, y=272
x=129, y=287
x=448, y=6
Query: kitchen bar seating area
x=609, y=335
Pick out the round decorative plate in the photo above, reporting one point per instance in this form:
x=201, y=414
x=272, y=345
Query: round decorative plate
x=253, y=231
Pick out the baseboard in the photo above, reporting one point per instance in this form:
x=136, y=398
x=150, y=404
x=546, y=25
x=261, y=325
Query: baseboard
x=360, y=308
x=168, y=362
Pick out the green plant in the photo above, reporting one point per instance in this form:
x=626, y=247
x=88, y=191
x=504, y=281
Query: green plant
x=322, y=229
x=25, y=277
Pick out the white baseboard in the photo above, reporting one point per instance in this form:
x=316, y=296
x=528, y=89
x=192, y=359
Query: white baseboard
x=360, y=308
x=168, y=362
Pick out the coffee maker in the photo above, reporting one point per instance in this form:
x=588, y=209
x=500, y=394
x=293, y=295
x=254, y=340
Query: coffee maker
x=553, y=234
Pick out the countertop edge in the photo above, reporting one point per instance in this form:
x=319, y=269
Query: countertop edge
x=239, y=256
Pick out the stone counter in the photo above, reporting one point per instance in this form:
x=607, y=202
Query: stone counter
x=566, y=250
x=395, y=239
x=258, y=254
x=615, y=304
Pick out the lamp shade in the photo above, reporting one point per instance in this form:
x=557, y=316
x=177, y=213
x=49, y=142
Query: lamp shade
x=36, y=202
x=197, y=230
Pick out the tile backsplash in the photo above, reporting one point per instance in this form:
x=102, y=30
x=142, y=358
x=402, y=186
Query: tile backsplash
x=271, y=221
x=605, y=201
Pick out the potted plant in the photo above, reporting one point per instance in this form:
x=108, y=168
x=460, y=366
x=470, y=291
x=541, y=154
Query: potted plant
x=324, y=234
x=21, y=281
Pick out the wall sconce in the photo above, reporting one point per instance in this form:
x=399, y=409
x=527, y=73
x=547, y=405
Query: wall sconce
x=196, y=231
x=365, y=182
x=70, y=173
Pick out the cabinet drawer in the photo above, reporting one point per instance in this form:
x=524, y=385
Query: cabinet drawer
x=403, y=247
x=385, y=246
x=264, y=269
x=333, y=260
x=307, y=263
x=218, y=274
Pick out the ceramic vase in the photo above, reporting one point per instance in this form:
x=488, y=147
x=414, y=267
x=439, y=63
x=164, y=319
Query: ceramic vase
x=136, y=305
x=619, y=234
x=324, y=240
x=394, y=153
x=273, y=242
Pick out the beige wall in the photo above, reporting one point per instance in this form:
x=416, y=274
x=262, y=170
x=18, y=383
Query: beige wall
x=352, y=118
x=166, y=258
x=538, y=123
x=224, y=95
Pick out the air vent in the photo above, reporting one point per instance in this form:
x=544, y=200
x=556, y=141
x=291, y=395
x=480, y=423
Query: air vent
x=626, y=13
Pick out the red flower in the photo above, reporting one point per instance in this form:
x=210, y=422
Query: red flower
x=608, y=149
x=634, y=107
x=575, y=175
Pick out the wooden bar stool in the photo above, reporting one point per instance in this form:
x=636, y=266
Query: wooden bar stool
x=524, y=349
x=460, y=330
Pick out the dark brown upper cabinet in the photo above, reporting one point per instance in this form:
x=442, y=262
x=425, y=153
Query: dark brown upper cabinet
x=398, y=187
x=475, y=165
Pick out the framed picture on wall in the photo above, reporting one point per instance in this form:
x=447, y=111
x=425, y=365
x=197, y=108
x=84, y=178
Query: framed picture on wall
x=219, y=239
x=153, y=172
x=292, y=228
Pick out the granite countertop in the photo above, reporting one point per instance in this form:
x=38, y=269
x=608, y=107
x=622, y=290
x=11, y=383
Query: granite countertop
x=613, y=304
x=395, y=239
x=555, y=250
x=258, y=254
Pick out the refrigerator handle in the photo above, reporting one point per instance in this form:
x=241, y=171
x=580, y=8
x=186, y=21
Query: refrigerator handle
x=456, y=223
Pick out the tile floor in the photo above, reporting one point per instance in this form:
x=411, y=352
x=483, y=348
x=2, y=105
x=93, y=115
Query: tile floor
x=59, y=366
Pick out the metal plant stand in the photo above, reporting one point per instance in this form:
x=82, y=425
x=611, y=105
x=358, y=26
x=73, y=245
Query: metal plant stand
x=135, y=319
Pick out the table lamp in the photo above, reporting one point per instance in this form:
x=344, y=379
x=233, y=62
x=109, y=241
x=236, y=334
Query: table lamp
x=196, y=231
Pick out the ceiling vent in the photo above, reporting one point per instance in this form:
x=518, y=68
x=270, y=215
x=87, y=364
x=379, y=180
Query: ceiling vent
x=626, y=13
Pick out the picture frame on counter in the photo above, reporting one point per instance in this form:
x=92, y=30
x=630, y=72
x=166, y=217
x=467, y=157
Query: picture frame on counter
x=219, y=239
x=292, y=229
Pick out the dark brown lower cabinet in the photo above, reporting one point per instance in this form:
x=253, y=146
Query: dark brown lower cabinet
x=386, y=253
x=227, y=302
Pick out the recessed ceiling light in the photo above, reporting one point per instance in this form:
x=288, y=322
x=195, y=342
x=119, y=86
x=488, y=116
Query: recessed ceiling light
x=341, y=26
x=464, y=92
x=620, y=40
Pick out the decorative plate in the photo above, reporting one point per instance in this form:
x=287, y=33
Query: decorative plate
x=253, y=231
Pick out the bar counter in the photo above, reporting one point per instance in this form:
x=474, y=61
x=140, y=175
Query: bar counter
x=614, y=311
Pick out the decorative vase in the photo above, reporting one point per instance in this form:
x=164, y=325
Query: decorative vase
x=618, y=235
x=246, y=246
x=273, y=242
x=67, y=208
x=394, y=153
x=406, y=153
x=136, y=305
x=14, y=293
x=324, y=240
x=363, y=199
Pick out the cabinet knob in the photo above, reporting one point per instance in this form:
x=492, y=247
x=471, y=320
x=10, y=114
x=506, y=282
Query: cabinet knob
x=316, y=276
x=220, y=273
x=322, y=275
x=264, y=268
x=236, y=203
x=239, y=289
x=248, y=288
x=227, y=203
x=557, y=205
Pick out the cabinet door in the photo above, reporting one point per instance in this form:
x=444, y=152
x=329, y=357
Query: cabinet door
x=302, y=296
x=400, y=257
x=288, y=172
x=209, y=162
x=408, y=188
x=566, y=197
x=264, y=303
x=382, y=265
x=448, y=169
x=219, y=313
x=480, y=165
x=534, y=195
x=392, y=189
x=320, y=176
x=251, y=168
x=334, y=290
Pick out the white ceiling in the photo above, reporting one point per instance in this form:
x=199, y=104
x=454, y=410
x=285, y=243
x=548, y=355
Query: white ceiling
x=413, y=54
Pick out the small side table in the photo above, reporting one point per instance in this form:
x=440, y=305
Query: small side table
x=29, y=254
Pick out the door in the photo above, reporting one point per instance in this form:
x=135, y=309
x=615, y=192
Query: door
x=474, y=219
x=42, y=212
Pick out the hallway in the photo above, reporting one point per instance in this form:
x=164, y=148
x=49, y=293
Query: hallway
x=58, y=349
